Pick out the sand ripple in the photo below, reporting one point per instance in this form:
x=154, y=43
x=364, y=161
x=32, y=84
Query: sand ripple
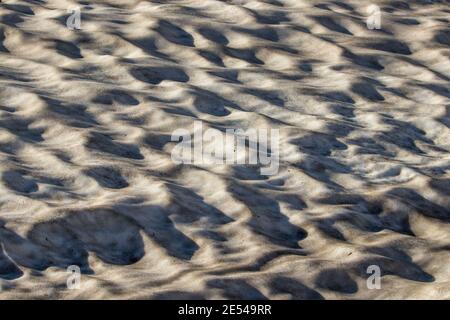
x=86, y=176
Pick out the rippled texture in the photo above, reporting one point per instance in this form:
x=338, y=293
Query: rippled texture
x=86, y=176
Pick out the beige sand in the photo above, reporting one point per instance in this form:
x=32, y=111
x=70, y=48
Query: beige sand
x=86, y=176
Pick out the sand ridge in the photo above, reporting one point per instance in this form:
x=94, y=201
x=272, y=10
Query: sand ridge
x=86, y=176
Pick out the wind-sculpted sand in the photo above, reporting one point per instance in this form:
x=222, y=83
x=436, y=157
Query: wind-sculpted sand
x=86, y=176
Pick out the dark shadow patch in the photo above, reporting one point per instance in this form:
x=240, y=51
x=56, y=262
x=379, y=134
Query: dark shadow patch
x=211, y=103
x=7, y=109
x=74, y=115
x=104, y=143
x=213, y=35
x=211, y=235
x=11, y=19
x=331, y=24
x=388, y=45
x=443, y=37
x=367, y=91
x=21, y=127
x=179, y=111
x=438, y=89
x=189, y=207
x=248, y=172
x=2, y=39
x=8, y=269
x=155, y=222
x=318, y=144
x=403, y=135
x=269, y=17
x=174, y=34
x=338, y=96
x=22, y=251
x=423, y=206
x=344, y=111
x=305, y=66
x=112, y=237
x=366, y=61
x=296, y=289
x=20, y=8
x=155, y=75
x=242, y=54
x=270, y=96
x=61, y=244
x=441, y=185
x=227, y=75
x=368, y=146
x=339, y=129
x=211, y=57
x=264, y=33
x=407, y=21
x=68, y=49
x=393, y=266
x=319, y=167
x=343, y=5
x=119, y=96
x=326, y=226
x=340, y=199
x=267, y=219
x=147, y=44
x=274, y=3
x=18, y=182
x=157, y=140
x=107, y=177
x=336, y=280
x=400, y=5
x=67, y=240
x=396, y=220
x=236, y=289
